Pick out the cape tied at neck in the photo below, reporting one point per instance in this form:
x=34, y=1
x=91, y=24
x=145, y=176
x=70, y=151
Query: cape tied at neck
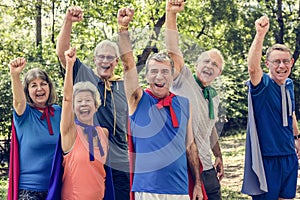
x=91, y=132
x=108, y=88
x=285, y=101
x=166, y=102
x=107, y=84
x=47, y=112
x=209, y=93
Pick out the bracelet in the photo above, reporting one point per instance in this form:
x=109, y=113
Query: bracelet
x=122, y=28
x=296, y=137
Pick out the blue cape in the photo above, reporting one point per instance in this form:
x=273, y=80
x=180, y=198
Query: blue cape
x=254, y=174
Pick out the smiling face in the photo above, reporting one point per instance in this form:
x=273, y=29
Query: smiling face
x=280, y=64
x=39, y=91
x=105, y=60
x=84, y=107
x=209, y=67
x=160, y=78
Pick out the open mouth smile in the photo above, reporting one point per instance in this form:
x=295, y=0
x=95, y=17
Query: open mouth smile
x=105, y=67
x=160, y=85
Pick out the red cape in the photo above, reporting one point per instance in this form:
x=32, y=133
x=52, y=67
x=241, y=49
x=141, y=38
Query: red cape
x=14, y=166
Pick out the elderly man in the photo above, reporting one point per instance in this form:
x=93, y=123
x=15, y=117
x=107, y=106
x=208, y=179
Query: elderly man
x=272, y=121
x=204, y=100
x=160, y=126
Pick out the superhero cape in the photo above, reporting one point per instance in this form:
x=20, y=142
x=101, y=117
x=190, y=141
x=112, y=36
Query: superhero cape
x=132, y=164
x=54, y=191
x=254, y=182
x=14, y=166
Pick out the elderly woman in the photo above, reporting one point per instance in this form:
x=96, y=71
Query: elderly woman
x=84, y=145
x=35, y=132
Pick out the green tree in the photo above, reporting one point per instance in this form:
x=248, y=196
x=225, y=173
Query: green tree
x=226, y=25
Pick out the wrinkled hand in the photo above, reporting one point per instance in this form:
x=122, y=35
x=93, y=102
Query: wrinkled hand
x=70, y=55
x=175, y=6
x=74, y=14
x=125, y=16
x=197, y=192
x=262, y=25
x=219, y=167
x=17, y=65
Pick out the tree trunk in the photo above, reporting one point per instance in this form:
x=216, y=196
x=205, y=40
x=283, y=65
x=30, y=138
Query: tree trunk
x=39, y=28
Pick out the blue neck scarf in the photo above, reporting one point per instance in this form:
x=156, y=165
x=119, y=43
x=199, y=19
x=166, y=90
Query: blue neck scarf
x=91, y=132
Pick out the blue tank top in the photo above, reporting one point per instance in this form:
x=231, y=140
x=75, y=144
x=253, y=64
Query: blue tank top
x=161, y=162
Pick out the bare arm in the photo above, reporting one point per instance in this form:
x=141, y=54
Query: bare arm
x=172, y=41
x=217, y=153
x=255, y=52
x=132, y=89
x=19, y=100
x=67, y=124
x=296, y=133
x=73, y=14
x=295, y=125
x=193, y=160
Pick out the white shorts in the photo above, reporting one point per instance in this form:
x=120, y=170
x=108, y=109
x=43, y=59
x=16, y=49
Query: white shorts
x=153, y=196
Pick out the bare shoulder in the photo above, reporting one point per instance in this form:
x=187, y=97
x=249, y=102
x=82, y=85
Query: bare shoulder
x=105, y=131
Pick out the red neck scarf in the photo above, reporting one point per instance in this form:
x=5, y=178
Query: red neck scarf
x=47, y=111
x=166, y=102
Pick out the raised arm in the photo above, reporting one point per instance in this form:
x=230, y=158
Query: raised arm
x=132, y=89
x=255, y=52
x=16, y=67
x=67, y=123
x=73, y=14
x=172, y=38
x=193, y=161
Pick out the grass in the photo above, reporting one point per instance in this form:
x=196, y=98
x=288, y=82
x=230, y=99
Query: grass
x=3, y=187
x=233, y=150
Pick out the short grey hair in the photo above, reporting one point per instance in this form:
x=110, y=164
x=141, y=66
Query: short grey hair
x=160, y=57
x=218, y=52
x=278, y=47
x=107, y=43
x=87, y=86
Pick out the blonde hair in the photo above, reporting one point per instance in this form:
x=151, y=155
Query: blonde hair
x=87, y=86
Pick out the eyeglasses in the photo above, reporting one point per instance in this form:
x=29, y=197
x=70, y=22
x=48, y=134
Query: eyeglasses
x=101, y=58
x=277, y=62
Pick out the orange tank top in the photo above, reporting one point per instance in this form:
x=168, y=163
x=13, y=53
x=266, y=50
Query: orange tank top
x=82, y=178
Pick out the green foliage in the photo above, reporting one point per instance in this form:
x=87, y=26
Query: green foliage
x=226, y=25
x=227, y=193
x=3, y=187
